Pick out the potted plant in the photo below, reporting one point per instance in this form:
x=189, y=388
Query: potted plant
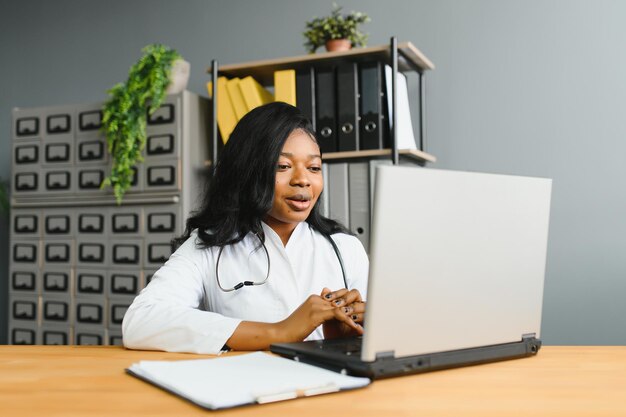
x=124, y=114
x=337, y=32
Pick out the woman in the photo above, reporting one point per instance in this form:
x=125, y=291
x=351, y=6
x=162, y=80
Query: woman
x=257, y=264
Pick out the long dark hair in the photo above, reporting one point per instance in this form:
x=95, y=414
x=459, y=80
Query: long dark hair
x=241, y=191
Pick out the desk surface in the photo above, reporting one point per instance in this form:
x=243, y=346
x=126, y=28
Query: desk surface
x=90, y=381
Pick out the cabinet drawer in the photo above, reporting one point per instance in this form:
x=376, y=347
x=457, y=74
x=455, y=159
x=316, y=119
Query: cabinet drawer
x=162, y=175
x=92, y=222
x=90, y=179
x=91, y=282
x=57, y=252
x=124, y=283
x=90, y=311
x=27, y=126
x=59, y=122
x=25, y=252
x=91, y=151
x=117, y=310
x=24, y=280
x=23, y=333
x=25, y=223
x=58, y=181
x=24, y=309
x=127, y=252
x=163, y=219
x=26, y=154
x=91, y=252
x=58, y=223
x=157, y=252
x=56, y=335
x=56, y=310
x=26, y=182
x=165, y=114
x=89, y=120
x=89, y=335
x=57, y=281
x=58, y=152
x=125, y=222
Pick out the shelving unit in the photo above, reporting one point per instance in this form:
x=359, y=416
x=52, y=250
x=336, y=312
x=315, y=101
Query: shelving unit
x=348, y=176
x=402, y=57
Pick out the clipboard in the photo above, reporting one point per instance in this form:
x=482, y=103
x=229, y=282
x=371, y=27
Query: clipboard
x=251, y=378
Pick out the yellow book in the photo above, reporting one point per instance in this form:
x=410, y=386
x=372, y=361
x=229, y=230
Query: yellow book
x=236, y=97
x=285, y=86
x=253, y=93
x=226, y=117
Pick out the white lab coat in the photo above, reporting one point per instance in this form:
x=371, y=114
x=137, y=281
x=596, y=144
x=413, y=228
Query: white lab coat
x=184, y=310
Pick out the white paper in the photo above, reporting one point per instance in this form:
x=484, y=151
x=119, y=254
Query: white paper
x=243, y=379
x=406, y=137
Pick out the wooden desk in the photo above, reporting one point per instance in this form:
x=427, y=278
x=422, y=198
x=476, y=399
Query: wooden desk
x=90, y=381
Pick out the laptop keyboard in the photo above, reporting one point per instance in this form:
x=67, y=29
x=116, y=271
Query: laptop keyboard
x=350, y=346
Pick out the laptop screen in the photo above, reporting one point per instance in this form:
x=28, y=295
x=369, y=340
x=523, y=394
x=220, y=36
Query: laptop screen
x=457, y=260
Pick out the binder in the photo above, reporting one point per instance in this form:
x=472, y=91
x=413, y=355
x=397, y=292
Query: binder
x=348, y=107
x=371, y=105
x=236, y=98
x=338, y=197
x=406, y=136
x=358, y=177
x=253, y=93
x=285, y=86
x=251, y=378
x=226, y=118
x=325, y=101
x=305, y=93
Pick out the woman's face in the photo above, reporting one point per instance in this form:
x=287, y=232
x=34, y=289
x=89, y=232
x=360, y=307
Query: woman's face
x=299, y=181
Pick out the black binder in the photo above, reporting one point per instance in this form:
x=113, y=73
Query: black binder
x=325, y=100
x=371, y=105
x=348, y=107
x=305, y=93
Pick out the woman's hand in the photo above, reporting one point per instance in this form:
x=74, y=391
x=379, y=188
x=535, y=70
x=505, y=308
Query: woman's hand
x=352, y=305
x=317, y=310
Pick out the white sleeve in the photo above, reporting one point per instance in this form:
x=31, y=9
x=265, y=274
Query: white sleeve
x=166, y=315
x=355, y=262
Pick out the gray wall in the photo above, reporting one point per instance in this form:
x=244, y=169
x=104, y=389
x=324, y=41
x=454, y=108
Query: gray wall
x=532, y=88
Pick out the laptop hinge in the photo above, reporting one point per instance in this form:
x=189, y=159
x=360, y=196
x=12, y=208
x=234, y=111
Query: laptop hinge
x=529, y=336
x=388, y=354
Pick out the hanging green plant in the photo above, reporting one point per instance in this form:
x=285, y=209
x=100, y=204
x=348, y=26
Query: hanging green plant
x=124, y=115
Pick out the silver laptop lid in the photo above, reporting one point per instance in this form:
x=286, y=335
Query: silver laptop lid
x=457, y=260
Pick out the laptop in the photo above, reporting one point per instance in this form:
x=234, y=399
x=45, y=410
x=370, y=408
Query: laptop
x=457, y=264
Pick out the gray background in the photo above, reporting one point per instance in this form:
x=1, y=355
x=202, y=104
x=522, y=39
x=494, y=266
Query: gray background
x=520, y=87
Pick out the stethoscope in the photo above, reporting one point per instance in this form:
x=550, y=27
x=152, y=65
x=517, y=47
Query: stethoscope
x=267, y=255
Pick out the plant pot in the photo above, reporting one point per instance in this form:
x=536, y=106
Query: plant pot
x=179, y=77
x=334, y=45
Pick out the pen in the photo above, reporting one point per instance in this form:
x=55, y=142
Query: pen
x=296, y=393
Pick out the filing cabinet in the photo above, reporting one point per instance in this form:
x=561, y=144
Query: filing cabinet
x=77, y=258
